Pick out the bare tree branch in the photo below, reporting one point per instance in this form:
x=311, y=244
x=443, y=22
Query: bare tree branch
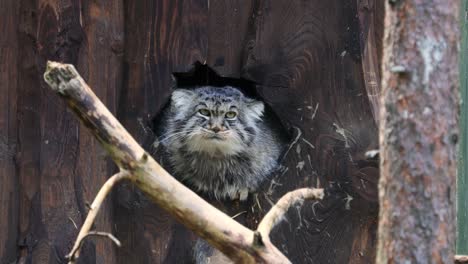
x=277, y=212
x=95, y=206
x=72, y=256
x=461, y=259
x=233, y=239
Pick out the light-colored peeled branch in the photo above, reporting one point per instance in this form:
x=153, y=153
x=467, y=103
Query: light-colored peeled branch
x=278, y=211
x=233, y=239
x=95, y=206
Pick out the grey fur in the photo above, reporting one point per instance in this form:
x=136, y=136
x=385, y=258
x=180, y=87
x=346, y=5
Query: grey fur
x=226, y=164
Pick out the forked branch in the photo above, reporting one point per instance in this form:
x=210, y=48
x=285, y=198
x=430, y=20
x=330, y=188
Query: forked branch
x=233, y=239
x=278, y=211
x=94, y=209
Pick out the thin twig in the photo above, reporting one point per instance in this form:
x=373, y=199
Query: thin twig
x=277, y=212
x=296, y=139
x=94, y=233
x=74, y=224
x=88, y=223
x=238, y=214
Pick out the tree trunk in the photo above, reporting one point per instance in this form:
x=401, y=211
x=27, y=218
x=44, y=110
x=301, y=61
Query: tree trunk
x=418, y=132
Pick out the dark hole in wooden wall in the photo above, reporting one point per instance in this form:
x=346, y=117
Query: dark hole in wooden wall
x=204, y=75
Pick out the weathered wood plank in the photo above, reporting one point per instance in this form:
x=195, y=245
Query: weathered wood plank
x=371, y=13
x=101, y=61
x=9, y=206
x=307, y=57
x=32, y=230
x=161, y=37
x=59, y=165
x=228, y=27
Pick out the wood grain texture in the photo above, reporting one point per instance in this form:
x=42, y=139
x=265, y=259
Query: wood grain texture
x=316, y=64
x=59, y=165
x=228, y=27
x=101, y=60
x=419, y=132
x=371, y=13
x=161, y=37
x=9, y=12
x=33, y=240
x=314, y=81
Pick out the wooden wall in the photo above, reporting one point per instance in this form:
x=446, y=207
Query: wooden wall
x=316, y=63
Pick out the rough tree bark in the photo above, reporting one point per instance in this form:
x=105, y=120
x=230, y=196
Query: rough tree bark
x=418, y=132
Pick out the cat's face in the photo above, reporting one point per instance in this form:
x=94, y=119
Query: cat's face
x=215, y=120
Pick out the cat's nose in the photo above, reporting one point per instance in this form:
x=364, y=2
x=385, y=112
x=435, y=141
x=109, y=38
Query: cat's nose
x=216, y=129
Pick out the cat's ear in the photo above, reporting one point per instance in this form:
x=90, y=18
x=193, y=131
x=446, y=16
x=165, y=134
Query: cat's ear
x=182, y=97
x=256, y=108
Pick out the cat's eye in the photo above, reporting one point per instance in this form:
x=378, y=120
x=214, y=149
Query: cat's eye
x=231, y=114
x=204, y=112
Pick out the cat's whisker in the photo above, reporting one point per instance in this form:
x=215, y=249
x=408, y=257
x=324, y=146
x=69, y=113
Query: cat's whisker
x=172, y=136
x=175, y=136
x=171, y=132
x=169, y=135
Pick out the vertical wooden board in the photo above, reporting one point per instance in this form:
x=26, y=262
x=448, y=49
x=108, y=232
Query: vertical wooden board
x=9, y=11
x=371, y=14
x=58, y=31
x=371, y=18
x=462, y=180
x=100, y=62
x=29, y=94
x=51, y=173
x=160, y=37
x=364, y=224
x=228, y=27
x=307, y=57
